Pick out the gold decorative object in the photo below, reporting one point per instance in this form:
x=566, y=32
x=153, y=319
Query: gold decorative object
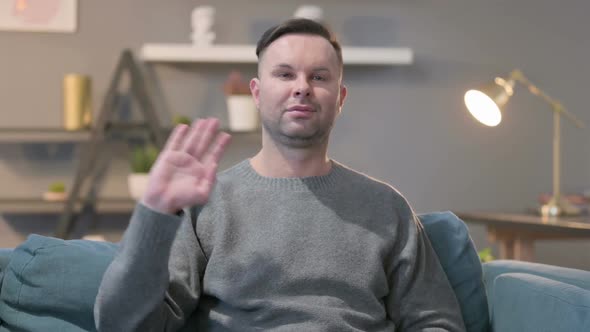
x=77, y=101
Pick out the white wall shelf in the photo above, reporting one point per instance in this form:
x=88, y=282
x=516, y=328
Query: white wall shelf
x=60, y=135
x=48, y=135
x=246, y=54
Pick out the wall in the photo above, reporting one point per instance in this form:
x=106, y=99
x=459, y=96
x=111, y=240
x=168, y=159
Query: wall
x=404, y=125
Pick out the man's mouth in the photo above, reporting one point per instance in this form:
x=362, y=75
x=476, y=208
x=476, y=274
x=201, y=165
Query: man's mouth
x=301, y=108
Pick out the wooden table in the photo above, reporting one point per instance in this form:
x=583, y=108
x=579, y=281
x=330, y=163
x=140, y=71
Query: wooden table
x=516, y=233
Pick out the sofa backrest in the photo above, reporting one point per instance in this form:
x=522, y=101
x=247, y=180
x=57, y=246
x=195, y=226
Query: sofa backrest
x=456, y=252
x=4, y=259
x=51, y=284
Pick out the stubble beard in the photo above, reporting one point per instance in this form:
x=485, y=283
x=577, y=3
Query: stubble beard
x=296, y=141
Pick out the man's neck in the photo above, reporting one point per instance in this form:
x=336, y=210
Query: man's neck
x=291, y=163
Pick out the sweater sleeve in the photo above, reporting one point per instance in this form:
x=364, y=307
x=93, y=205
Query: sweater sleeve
x=421, y=297
x=153, y=283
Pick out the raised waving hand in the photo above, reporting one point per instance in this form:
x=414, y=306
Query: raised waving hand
x=184, y=173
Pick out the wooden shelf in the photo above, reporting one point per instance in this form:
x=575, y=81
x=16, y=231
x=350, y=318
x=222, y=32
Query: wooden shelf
x=31, y=135
x=60, y=135
x=39, y=205
x=153, y=52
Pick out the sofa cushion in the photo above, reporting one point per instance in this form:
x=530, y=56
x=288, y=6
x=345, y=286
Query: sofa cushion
x=456, y=252
x=529, y=303
x=51, y=284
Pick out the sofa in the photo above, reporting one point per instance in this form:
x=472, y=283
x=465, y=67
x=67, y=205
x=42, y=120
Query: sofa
x=49, y=284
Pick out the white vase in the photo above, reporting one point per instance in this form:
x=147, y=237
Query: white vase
x=54, y=196
x=311, y=12
x=137, y=183
x=242, y=113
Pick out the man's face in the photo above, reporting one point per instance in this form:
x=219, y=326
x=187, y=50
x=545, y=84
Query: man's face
x=299, y=90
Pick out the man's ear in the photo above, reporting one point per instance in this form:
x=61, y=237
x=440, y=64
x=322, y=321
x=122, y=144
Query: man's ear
x=343, y=94
x=255, y=90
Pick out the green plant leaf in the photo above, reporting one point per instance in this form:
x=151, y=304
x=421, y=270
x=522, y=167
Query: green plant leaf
x=485, y=255
x=178, y=119
x=138, y=160
x=151, y=154
x=143, y=157
x=57, y=187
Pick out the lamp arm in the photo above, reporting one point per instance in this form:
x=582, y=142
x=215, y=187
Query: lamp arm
x=518, y=76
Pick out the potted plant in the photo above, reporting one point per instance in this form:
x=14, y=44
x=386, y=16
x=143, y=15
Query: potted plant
x=178, y=119
x=242, y=112
x=142, y=159
x=56, y=192
x=485, y=255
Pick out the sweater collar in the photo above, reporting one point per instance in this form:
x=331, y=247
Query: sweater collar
x=246, y=172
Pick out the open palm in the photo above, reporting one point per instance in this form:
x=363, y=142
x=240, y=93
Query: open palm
x=184, y=173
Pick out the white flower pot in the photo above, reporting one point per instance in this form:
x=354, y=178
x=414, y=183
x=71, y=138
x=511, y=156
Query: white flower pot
x=242, y=113
x=137, y=183
x=54, y=196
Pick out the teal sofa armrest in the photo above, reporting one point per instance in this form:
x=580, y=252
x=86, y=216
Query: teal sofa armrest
x=496, y=268
x=50, y=284
x=523, y=302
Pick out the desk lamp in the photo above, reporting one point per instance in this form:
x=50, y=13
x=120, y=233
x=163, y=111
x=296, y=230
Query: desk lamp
x=486, y=106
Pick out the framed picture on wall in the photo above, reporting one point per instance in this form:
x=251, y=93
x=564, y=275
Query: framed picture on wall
x=38, y=15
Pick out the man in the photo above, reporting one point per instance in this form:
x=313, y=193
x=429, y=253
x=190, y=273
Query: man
x=288, y=240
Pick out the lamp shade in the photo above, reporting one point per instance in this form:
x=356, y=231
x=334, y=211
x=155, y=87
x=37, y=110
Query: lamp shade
x=486, y=103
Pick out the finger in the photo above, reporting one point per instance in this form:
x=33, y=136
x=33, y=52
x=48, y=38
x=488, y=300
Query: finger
x=174, y=141
x=217, y=148
x=209, y=133
x=210, y=173
x=194, y=136
x=206, y=183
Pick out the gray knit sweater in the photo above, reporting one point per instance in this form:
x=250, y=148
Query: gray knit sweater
x=340, y=252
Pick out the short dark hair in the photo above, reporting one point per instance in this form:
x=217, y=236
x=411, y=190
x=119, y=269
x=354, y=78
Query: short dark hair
x=297, y=26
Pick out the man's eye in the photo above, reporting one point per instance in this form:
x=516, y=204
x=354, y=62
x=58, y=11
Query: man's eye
x=284, y=75
x=318, y=78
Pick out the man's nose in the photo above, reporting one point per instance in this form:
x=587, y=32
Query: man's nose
x=302, y=88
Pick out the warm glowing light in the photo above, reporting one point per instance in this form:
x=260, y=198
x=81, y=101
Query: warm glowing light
x=483, y=108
